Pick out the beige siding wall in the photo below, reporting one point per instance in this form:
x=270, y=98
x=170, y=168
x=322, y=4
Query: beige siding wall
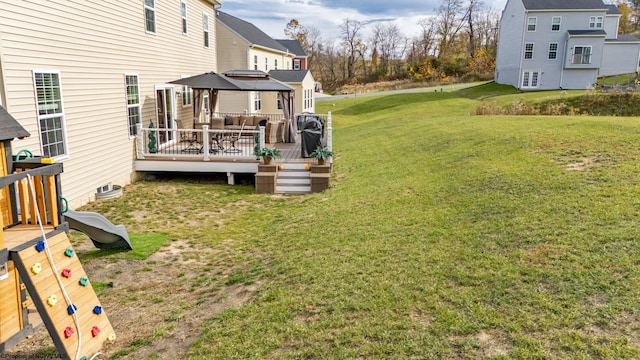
x=92, y=45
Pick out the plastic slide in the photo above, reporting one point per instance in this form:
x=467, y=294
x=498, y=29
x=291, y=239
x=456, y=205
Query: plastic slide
x=101, y=231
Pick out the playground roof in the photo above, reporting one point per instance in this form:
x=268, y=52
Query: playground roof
x=9, y=127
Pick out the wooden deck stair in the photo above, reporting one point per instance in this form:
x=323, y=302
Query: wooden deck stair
x=294, y=178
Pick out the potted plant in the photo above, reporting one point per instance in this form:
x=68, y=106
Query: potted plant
x=322, y=154
x=268, y=154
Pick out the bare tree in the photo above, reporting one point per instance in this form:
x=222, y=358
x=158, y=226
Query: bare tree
x=350, y=29
x=449, y=20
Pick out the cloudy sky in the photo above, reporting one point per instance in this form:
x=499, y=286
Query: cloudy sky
x=272, y=16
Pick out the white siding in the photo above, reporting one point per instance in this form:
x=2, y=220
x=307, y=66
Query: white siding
x=92, y=45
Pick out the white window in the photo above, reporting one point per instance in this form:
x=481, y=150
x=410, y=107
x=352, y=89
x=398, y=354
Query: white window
x=528, y=51
x=266, y=64
x=205, y=25
x=308, y=98
x=581, y=55
x=257, y=101
x=553, y=51
x=555, y=23
x=279, y=101
x=133, y=103
x=531, y=23
x=296, y=64
x=205, y=102
x=150, y=16
x=255, y=62
x=530, y=79
x=50, y=113
x=185, y=93
x=275, y=64
x=184, y=17
x=595, y=22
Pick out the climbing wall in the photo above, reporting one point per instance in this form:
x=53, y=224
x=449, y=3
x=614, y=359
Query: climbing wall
x=62, y=313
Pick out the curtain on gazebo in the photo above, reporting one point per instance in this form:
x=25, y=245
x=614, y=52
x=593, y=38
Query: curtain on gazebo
x=288, y=107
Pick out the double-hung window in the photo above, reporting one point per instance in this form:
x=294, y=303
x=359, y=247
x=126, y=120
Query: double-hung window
x=279, y=101
x=553, y=51
x=150, y=16
x=275, y=64
x=528, y=51
x=205, y=26
x=185, y=93
x=595, y=22
x=184, y=17
x=555, y=23
x=257, y=101
x=581, y=55
x=133, y=103
x=296, y=64
x=255, y=62
x=531, y=23
x=50, y=113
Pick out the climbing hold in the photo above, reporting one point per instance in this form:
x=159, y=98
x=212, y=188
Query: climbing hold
x=36, y=268
x=84, y=281
x=66, y=273
x=95, y=331
x=97, y=309
x=52, y=300
x=68, y=331
x=40, y=246
x=71, y=309
x=69, y=252
x=111, y=337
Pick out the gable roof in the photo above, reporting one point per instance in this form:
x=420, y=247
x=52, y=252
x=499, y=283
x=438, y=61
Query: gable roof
x=289, y=76
x=613, y=10
x=249, y=32
x=9, y=127
x=294, y=46
x=563, y=4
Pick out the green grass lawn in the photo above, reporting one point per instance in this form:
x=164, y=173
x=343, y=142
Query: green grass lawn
x=445, y=235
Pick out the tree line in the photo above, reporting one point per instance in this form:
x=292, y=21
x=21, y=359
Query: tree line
x=457, y=43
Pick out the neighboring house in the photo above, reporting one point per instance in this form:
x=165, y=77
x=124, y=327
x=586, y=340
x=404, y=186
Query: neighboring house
x=302, y=81
x=300, y=58
x=560, y=44
x=243, y=46
x=80, y=76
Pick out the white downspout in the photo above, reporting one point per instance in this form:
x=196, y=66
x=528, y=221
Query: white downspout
x=522, y=45
x=564, y=59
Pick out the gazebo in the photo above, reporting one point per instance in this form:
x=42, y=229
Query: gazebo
x=240, y=80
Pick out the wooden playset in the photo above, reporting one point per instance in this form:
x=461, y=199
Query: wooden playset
x=38, y=266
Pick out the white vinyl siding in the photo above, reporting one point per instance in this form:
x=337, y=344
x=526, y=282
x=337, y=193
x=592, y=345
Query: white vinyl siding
x=531, y=23
x=528, y=51
x=581, y=55
x=555, y=23
x=595, y=22
x=553, y=51
x=205, y=26
x=530, y=79
x=133, y=103
x=50, y=113
x=150, y=16
x=183, y=9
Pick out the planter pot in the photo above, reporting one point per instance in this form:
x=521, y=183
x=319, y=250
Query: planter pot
x=116, y=192
x=267, y=160
x=321, y=161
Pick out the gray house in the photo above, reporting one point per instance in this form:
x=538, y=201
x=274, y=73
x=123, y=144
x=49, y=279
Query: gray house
x=562, y=44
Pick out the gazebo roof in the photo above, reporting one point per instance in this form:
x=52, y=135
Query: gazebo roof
x=9, y=127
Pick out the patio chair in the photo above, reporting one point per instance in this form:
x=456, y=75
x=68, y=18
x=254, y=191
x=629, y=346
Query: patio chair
x=192, y=141
x=233, y=139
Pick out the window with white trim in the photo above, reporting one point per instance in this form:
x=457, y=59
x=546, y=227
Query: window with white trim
x=296, y=64
x=150, y=16
x=50, y=113
x=205, y=26
x=255, y=62
x=185, y=93
x=553, y=51
x=133, y=103
x=183, y=8
x=266, y=64
x=279, y=101
x=595, y=22
x=531, y=23
x=275, y=64
x=581, y=55
x=555, y=23
x=205, y=103
x=530, y=79
x=528, y=51
x=257, y=101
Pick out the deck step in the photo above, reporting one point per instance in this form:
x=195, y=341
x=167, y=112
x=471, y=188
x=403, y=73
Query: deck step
x=293, y=179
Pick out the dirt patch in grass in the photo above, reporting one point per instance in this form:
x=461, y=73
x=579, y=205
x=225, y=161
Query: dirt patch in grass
x=157, y=306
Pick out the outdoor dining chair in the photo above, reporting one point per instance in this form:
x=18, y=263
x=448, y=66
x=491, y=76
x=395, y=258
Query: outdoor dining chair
x=232, y=139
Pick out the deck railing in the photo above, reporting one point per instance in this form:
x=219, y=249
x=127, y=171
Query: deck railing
x=205, y=143
x=45, y=179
